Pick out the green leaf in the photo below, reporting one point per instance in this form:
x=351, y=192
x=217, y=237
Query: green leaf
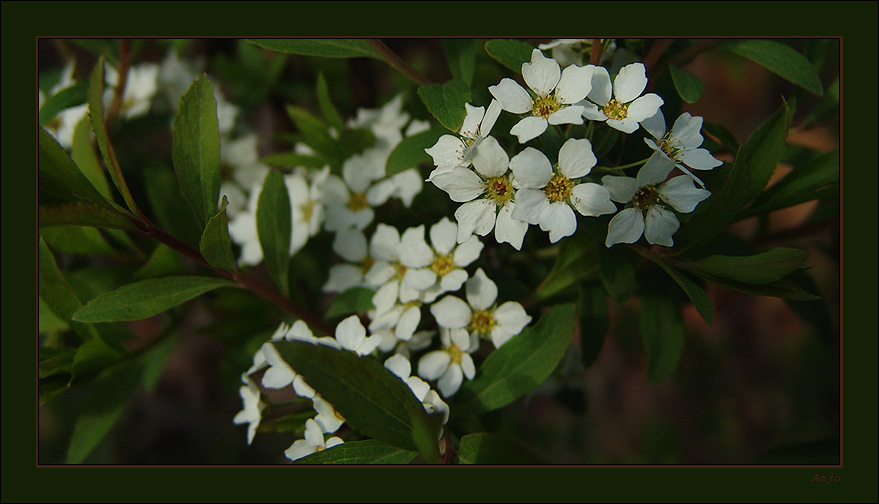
x=93, y=357
x=446, y=102
x=763, y=268
x=461, y=55
x=662, y=329
x=163, y=262
x=326, y=48
x=510, y=53
x=575, y=262
x=755, y=163
x=370, y=398
x=169, y=205
x=77, y=240
x=780, y=59
x=215, y=245
x=326, y=104
x=106, y=400
x=292, y=423
x=146, y=298
x=616, y=273
x=83, y=154
x=353, y=300
x=154, y=362
x=351, y=142
x=727, y=139
x=294, y=160
x=70, y=97
x=409, y=153
x=816, y=179
x=368, y=451
x=59, y=177
x=704, y=305
x=102, y=137
x=594, y=321
x=54, y=361
x=520, y=364
x=51, y=386
x=314, y=131
x=792, y=286
x=488, y=448
x=688, y=84
x=48, y=322
x=58, y=295
x=83, y=214
x=197, y=149
x=274, y=227
x=108, y=48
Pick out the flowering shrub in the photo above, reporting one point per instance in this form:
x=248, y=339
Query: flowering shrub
x=390, y=277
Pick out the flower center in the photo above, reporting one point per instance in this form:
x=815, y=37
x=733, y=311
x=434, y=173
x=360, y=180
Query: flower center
x=366, y=264
x=455, y=353
x=443, y=264
x=399, y=270
x=645, y=197
x=307, y=210
x=616, y=110
x=357, y=202
x=665, y=145
x=545, y=106
x=482, y=321
x=559, y=188
x=499, y=189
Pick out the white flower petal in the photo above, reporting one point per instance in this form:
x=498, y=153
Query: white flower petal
x=299, y=449
x=450, y=381
x=370, y=344
x=655, y=125
x=444, y=235
x=481, y=291
x=529, y=128
x=659, y=226
x=333, y=441
x=379, y=274
x=408, y=323
x=572, y=114
x=576, y=158
x=433, y=364
x=451, y=312
x=491, y=159
x=699, y=159
x=385, y=297
x=627, y=125
x=499, y=336
x=475, y=217
x=350, y=333
x=385, y=243
x=462, y=184
x=512, y=317
x=313, y=432
x=531, y=168
x=491, y=115
x=541, y=73
x=559, y=220
x=625, y=227
x=467, y=366
x=453, y=280
x=470, y=127
x=420, y=278
x=530, y=204
x=655, y=170
x=458, y=337
x=407, y=185
x=508, y=229
x=447, y=152
x=414, y=251
x=343, y=277
x=301, y=388
x=379, y=193
x=277, y=377
x=592, y=200
x=575, y=84
x=621, y=188
x=686, y=131
x=351, y=245
x=593, y=112
x=630, y=83
x=511, y=96
x=644, y=107
x=399, y=365
x=601, y=87
x=682, y=194
x=467, y=252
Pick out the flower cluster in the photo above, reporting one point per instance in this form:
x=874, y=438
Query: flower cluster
x=510, y=194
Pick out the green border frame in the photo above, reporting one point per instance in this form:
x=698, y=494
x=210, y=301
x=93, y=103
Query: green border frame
x=853, y=21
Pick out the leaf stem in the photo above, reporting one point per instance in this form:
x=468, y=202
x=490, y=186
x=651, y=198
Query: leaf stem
x=121, y=82
x=391, y=58
x=623, y=167
x=595, y=53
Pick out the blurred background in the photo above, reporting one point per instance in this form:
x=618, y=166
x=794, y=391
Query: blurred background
x=759, y=386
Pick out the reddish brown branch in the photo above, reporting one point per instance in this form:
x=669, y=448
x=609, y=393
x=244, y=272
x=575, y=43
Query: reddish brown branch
x=393, y=59
x=121, y=81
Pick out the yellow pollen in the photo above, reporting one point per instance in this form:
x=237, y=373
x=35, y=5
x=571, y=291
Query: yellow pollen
x=559, y=188
x=366, y=264
x=482, y=321
x=399, y=269
x=665, y=145
x=645, y=197
x=499, y=189
x=443, y=265
x=545, y=107
x=616, y=110
x=307, y=209
x=357, y=201
x=455, y=353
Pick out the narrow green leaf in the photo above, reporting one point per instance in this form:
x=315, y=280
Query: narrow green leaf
x=294, y=160
x=781, y=60
x=616, y=273
x=662, y=329
x=368, y=451
x=48, y=322
x=816, y=179
x=154, y=362
x=688, y=84
x=293, y=423
x=370, y=398
x=489, y=448
x=461, y=55
x=106, y=400
x=77, y=240
x=594, y=321
x=54, y=361
x=704, y=305
x=409, y=153
x=353, y=300
x=92, y=358
x=446, y=102
x=353, y=141
x=766, y=267
x=576, y=261
x=70, y=97
x=146, y=298
x=59, y=177
x=510, y=53
x=169, y=205
x=83, y=154
x=96, y=117
x=791, y=286
x=727, y=139
x=274, y=227
x=521, y=364
x=83, y=214
x=58, y=295
x=163, y=262
x=314, y=131
x=326, y=104
x=215, y=245
x=197, y=149
x=326, y=48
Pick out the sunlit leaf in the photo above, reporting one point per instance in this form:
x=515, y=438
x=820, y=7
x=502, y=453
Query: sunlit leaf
x=446, y=102
x=274, y=227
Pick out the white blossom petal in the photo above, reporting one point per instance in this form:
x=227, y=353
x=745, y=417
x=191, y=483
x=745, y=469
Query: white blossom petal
x=659, y=226
x=462, y=184
x=686, y=131
x=575, y=84
x=385, y=243
x=593, y=112
x=511, y=96
x=414, y=251
x=627, y=125
x=447, y=152
x=453, y=280
x=621, y=188
x=531, y=168
x=529, y=128
x=625, y=227
x=379, y=193
x=682, y=194
x=601, y=87
x=572, y=114
x=592, y=200
x=399, y=365
x=491, y=159
x=655, y=125
x=491, y=115
x=576, y=158
x=350, y=244
x=699, y=159
x=475, y=217
x=541, y=73
x=559, y=220
x=350, y=333
x=655, y=170
x=467, y=366
x=451, y=312
x=481, y=291
x=433, y=364
x=385, y=297
x=472, y=119
x=467, y=252
x=630, y=83
x=512, y=316
x=508, y=229
x=420, y=278
x=644, y=107
x=444, y=236
x=450, y=381
x=409, y=321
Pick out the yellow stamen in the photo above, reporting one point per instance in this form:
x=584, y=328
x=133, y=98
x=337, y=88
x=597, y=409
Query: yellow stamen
x=559, y=188
x=645, y=197
x=545, y=107
x=357, y=201
x=499, y=189
x=482, y=322
x=616, y=110
x=443, y=264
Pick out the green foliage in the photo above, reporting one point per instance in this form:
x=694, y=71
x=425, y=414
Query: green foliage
x=368, y=451
x=370, y=398
x=577, y=261
x=817, y=179
x=293, y=160
x=146, y=298
x=274, y=227
x=763, y=268
x=704, y=305
x=154, y=362
x=353, y=300
x=314, y=131
x=293, y=423
x=77, y=240
x=162, y=262
x=58, y=295
x=326, y=104
x=594, y=320
x=521, y=364
x=617, y=273
x=446, y=102
x=510, y=53
x=60, y=179
x=83, y=154
x=688, y=84
x=197, y=149
x=215, y=245
x=461, y=55
x=410, y=152
x=662, y=330
x=72, y=96
x=326, y=48
x=780, y=59
x=488, y=448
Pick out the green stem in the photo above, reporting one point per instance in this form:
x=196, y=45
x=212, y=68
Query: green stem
x=623, y=167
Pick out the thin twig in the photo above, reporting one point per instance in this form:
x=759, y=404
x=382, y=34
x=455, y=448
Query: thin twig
x=595, y=53
x=688, y=54
x=391, y=58
x=656, y=51
x=121, y=82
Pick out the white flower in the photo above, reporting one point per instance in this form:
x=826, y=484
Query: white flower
x=253, y=407
x=327, y=417
x=402, y=318
x=351, y=245
x=279, y=374
x=572, y=51
x=557, y=95
x=400, y=366
x=487, y=194
x=240, y=157
x=545, y=196
x=627, y=107
x=313, y=442
x=306, y=206
x=680, y=145
x=63, y=125
x=419, y=341
x=385, y=123
x=646, y=194
x=451, y=364
x=481, y=316
x=349, y=203
x=387, y=271
x=140, y=87
x=351, y=335
x=242, y=229
x=451, y=151
x=438, y=268
x=407, y=185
